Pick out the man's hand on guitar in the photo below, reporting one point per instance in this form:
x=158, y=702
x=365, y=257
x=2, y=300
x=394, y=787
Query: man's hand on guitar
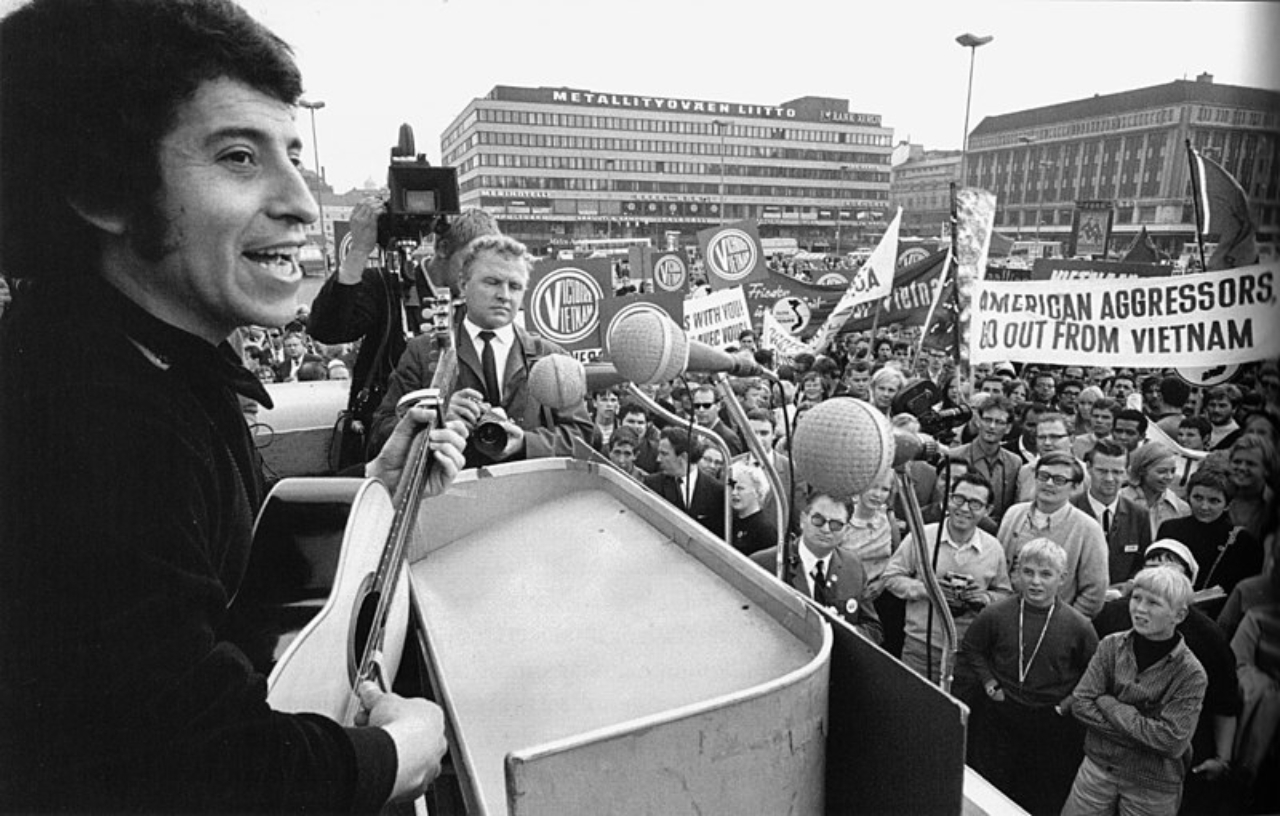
x=447, y=445
x=417, y=728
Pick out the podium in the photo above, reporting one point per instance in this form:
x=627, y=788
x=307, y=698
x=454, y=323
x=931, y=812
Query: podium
x=597, y=651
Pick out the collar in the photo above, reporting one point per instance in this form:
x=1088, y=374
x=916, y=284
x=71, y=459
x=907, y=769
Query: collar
x=951, y=540
x=169, y=348
x=505, y=335
x=1041, y=520
x=808, y=560
x=1098, y=506
x=876, y=521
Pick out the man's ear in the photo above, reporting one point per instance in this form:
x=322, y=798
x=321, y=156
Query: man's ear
x=102, y=217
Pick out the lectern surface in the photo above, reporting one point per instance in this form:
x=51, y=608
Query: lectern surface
x=576, y=614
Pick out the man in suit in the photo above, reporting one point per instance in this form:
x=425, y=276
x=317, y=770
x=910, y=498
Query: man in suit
x=706, y=412
x=698, y=495
x=1127, y=528
x=295, y=356
x=986, y=456
x=494, y=357
x=761, y=422
x=635, y=416
x=817, y=569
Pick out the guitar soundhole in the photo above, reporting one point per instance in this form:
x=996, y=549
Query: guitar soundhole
x=361, y=625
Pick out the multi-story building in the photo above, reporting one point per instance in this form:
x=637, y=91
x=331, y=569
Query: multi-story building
x=1128, y=148
x=921, y=186
x=557, y=165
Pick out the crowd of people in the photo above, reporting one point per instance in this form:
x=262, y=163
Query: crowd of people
x=1099, y=535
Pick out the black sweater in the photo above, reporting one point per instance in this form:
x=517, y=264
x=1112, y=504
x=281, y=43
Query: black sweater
x=128, y=489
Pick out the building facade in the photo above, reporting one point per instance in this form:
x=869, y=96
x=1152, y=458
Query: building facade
x=1128, y=149
x=556, y=165
x=921, y=186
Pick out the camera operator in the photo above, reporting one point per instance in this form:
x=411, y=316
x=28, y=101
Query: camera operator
x=374, y=305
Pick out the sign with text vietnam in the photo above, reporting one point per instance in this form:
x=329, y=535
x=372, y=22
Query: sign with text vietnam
x=564, y=303
x=1212, y=318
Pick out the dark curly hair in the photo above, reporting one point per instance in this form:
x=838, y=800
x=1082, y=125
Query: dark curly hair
x=88, y=89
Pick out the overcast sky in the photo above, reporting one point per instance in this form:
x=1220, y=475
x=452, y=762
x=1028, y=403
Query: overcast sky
x=378, y=63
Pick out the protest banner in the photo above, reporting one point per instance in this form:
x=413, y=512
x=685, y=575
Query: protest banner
x=774, y=336
x=718, y=318
x=668, y=304
x=670, y=272
x=908, y=303
x=564, y=303
x=1080, y=269
x=800, y=306
x=870, y=284
x=732, y=255
x=1206, y=319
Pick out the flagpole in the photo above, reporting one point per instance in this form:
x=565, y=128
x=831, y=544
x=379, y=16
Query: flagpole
x=933, y=308
x=1195, y=201
x=955, y=291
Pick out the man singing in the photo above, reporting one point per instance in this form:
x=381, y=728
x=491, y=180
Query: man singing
x=151, y=201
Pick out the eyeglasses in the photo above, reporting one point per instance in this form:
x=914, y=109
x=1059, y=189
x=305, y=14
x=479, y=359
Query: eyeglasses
x=976, y=505
x=818, y=520
x=703, y=405
x=1054, y=479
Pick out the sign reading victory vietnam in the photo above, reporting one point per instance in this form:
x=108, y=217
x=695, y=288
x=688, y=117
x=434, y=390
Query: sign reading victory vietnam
x=732, y=255
x=670, y=272
x=1207, y=319
x=565, y=300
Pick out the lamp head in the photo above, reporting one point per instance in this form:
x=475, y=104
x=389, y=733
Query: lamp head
x=973, y=40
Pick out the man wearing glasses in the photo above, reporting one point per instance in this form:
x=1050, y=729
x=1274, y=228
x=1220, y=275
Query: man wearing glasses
x=1051, y=515
x=986, y=455
x=970, y=566
x=1052, y=436
x=817, y=569
x=706, y=412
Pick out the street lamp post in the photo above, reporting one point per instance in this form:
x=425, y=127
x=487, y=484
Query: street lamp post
x=314, y=106
x=720, y=126
x=973, y=42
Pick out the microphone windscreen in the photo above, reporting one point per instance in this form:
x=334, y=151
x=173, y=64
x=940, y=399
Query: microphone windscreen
x=842, y=446
x=908, y=447
x=558, y=381
x=648, y=348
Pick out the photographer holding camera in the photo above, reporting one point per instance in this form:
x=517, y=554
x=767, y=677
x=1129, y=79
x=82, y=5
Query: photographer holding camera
x=375, y=306
x=494, y=356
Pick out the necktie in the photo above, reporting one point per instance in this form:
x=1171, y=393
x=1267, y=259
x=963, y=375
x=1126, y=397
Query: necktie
x=819, y=584
x=682, y=485
x=489, y=365
x=1106, y=520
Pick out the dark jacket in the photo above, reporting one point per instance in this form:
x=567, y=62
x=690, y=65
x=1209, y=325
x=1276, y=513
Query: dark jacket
x=846, y=588
x=547, y=432
x=130, y=485
x=1127, y=540
x=707, y=507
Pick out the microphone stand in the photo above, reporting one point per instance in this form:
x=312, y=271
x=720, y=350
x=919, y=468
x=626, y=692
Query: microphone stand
x=781, y=507
x=933, y=589
x=710, y=435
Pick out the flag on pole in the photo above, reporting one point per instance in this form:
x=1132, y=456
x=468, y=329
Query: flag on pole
x=1142, y=250
x=1223, y=209
x=775, y=336
x=871, y=283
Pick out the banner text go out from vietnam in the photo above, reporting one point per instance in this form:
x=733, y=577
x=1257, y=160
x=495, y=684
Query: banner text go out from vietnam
x=1212, y=318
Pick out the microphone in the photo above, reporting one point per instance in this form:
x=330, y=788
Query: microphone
x=602, y=376
x=913, y=447
x=649, y=348
x=842, y=446
x=558, y=381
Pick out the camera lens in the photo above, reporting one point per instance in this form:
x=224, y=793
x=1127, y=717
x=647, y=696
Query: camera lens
x=491, y=437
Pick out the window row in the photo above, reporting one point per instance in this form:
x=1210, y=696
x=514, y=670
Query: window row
x=699, y=127
x=710, y=189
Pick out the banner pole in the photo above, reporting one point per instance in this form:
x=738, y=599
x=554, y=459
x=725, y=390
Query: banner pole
x=955, y=291
x=1195, y=201
x=933, y=308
